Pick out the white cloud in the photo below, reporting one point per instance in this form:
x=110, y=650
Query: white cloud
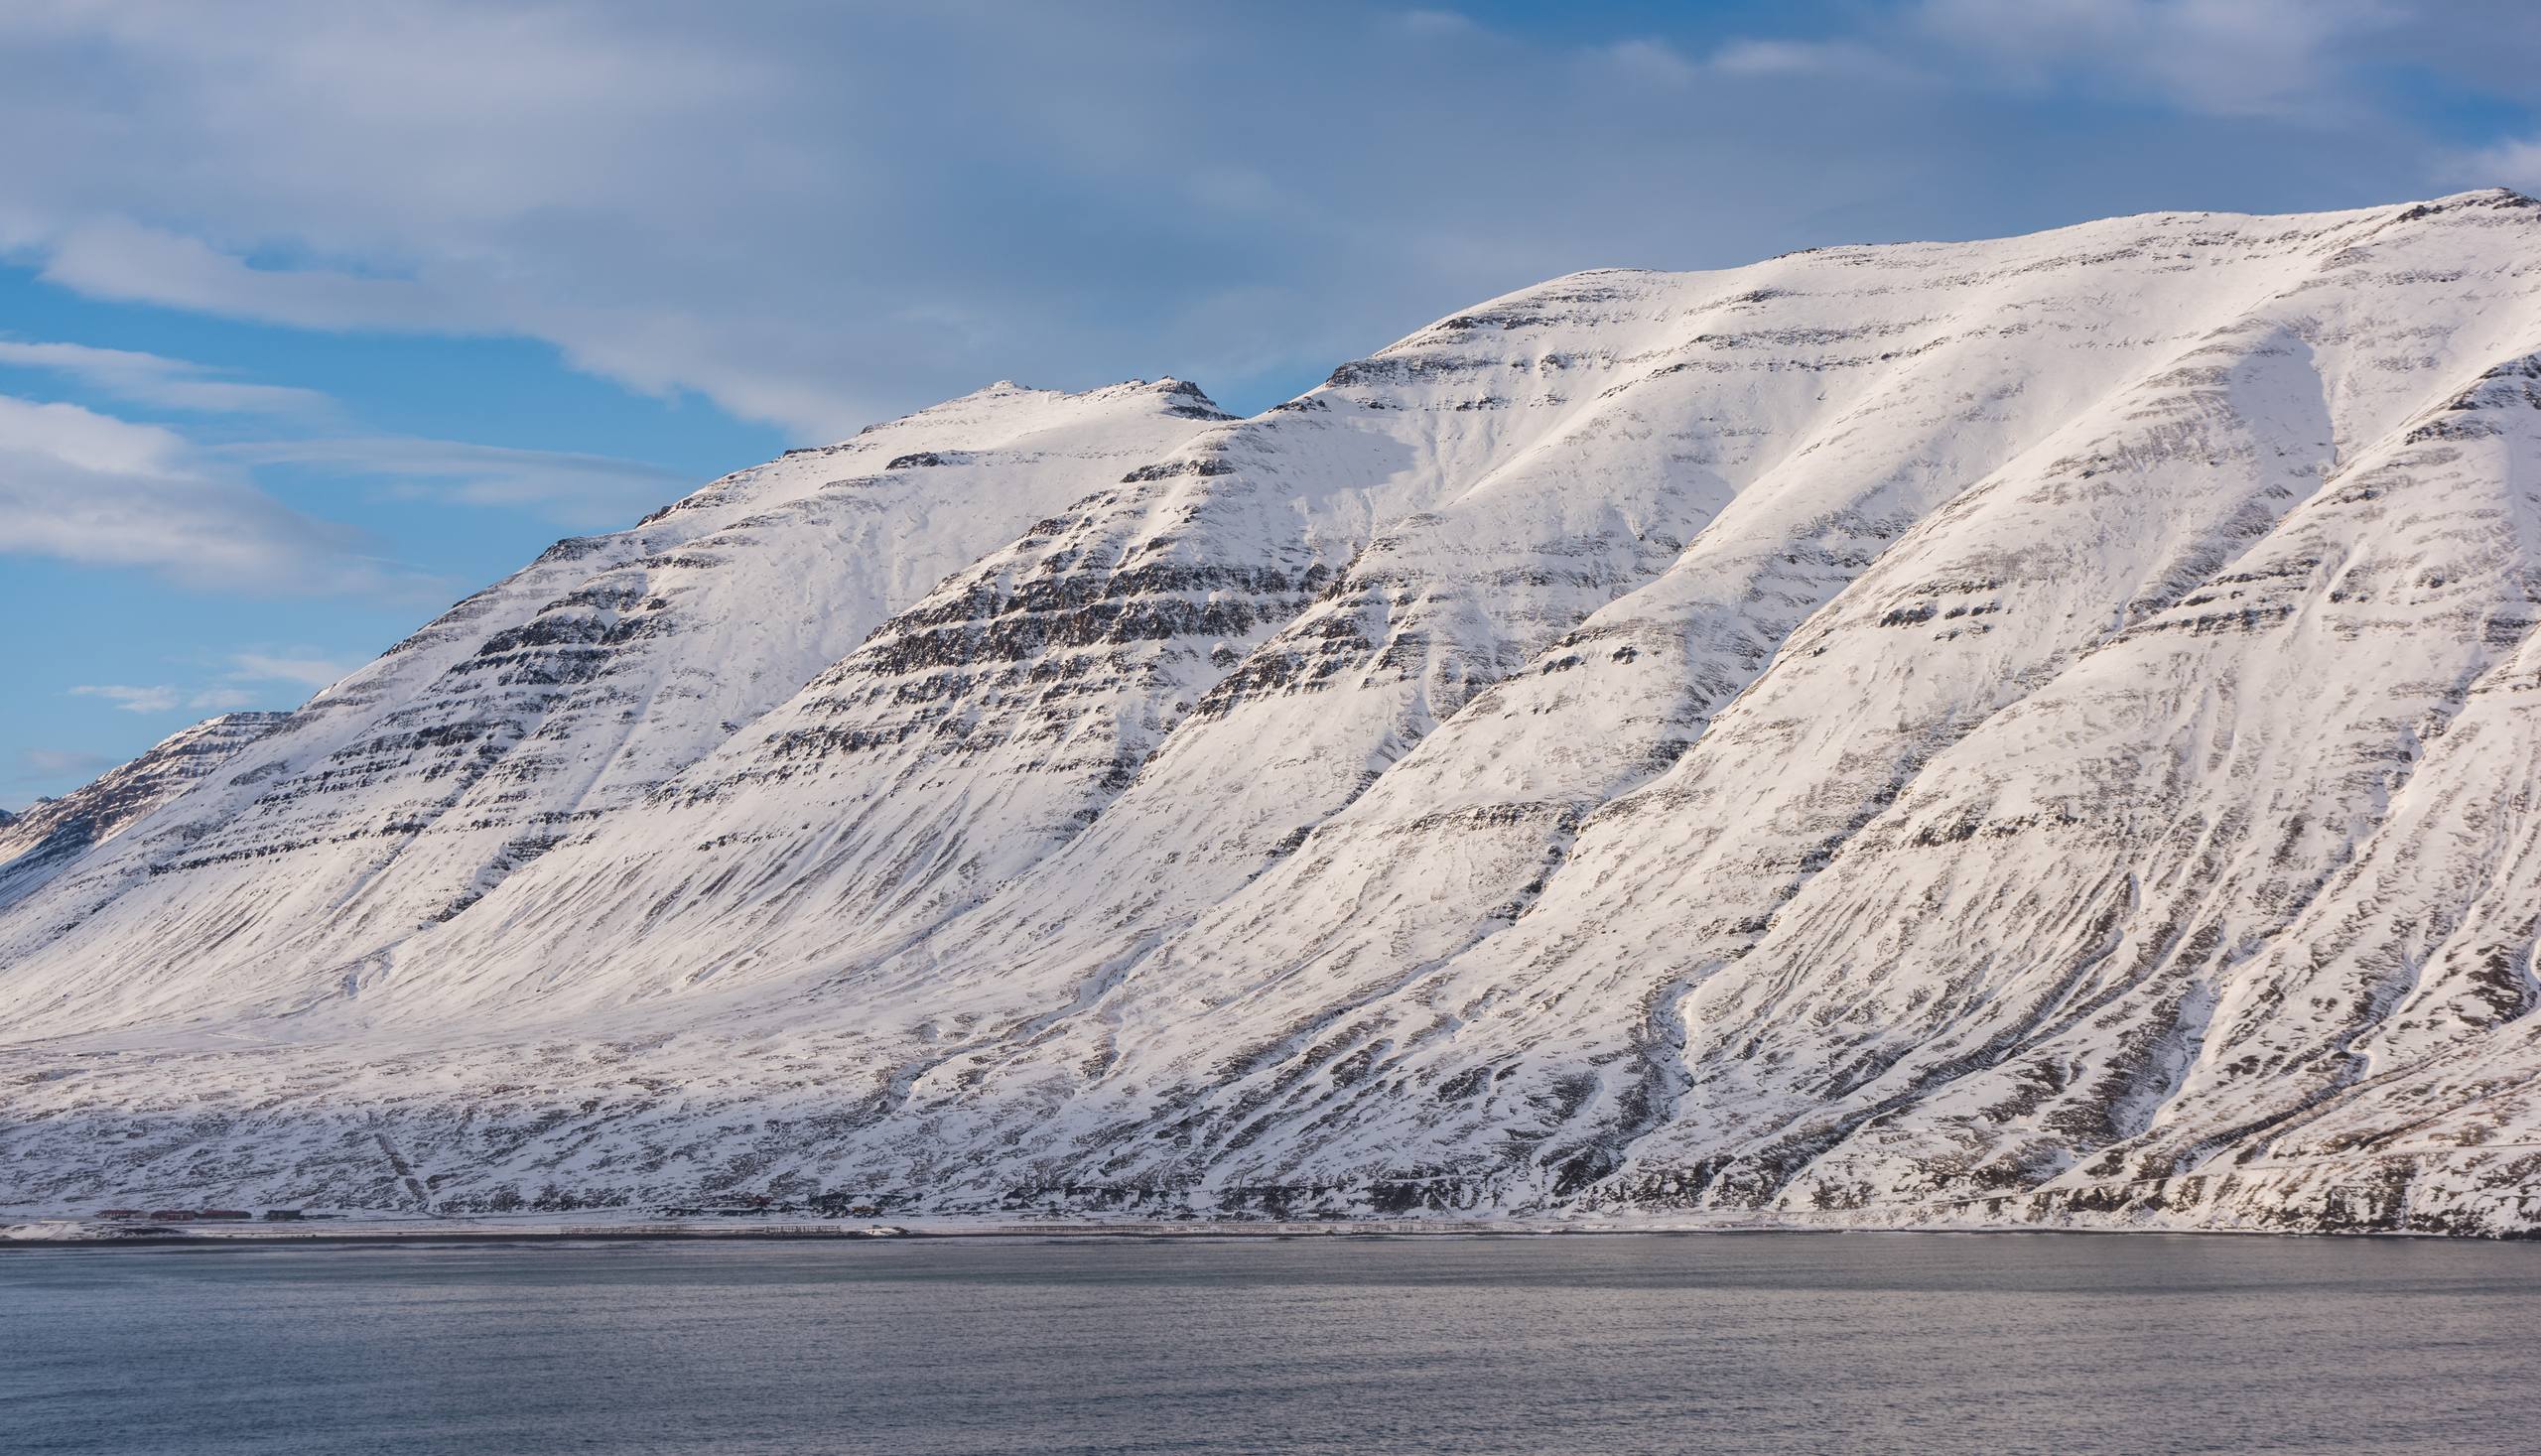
x=1651, y=61
x=306, y=670
x=299, y=673
x=113, y=258
x=55, y=763
x=2514, y=164
x=90, y=488
x=2228, y=58
x=1798, y=58
x=52, y=452
x=131, y=699
x=222, y=699
x=155, y=379
x=1436, y=22
x=1747, y=60
x=576, y=489
x=814, y=215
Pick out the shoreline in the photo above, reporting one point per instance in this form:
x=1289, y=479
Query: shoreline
x=90, y=1234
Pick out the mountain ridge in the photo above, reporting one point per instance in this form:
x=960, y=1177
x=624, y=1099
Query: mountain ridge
x=1713, y=744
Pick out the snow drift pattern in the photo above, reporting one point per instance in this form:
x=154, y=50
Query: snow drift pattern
x=2022, y=731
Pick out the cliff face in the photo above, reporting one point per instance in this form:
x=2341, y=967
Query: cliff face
x=2030, y=730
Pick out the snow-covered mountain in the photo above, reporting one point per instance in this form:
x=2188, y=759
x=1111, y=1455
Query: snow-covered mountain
x=2020, y=730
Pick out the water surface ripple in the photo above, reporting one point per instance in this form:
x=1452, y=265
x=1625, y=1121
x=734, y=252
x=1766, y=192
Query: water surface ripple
x=1723, y=1343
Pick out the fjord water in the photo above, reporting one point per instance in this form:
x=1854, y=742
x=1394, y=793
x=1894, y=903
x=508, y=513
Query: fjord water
x=1735, y=1342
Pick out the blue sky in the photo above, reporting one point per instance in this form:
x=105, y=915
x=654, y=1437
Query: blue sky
x=314, y=318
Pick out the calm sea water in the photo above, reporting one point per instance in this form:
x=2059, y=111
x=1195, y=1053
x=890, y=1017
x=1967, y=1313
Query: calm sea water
x=1715, y=1343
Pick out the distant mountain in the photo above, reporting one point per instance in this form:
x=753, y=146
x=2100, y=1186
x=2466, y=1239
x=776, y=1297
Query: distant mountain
x=2033, y=730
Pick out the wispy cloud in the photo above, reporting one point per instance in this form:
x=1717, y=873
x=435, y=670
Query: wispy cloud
x=167, y=698
x=59, y=764
x=1795, y=58
x=1657, y=62
x=99, y=491
x=130, y=699
x=2228, y=58
x=85, y=486
x=1651, y=61
x=1436, y=22
x=808, y=213
x=155, y=379
x=2515, y=164
x=224, y=700
x=157, y=466
x=573, y=489
x=115, y=258
x=249, y=680
x=303, y=670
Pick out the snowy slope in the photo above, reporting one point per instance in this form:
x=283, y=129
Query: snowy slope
x=396, y=798
x=2028, y=729
x=52, y=832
